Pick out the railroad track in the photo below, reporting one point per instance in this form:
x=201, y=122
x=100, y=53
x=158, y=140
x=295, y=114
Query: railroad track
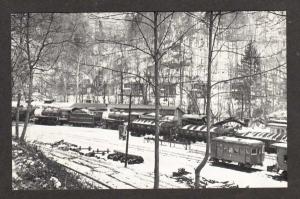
x=96, y=166
x=144, y=148
x=73, y=170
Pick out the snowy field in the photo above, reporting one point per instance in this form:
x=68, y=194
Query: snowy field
x=113, y=173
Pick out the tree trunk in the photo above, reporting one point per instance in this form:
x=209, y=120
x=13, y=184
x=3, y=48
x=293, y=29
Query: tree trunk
x=144, y=93
x=242, y=113
x=28, y=106
x=180, y=75
x=104, y=93
x=156, y=77
x=18, y=115
x=121, y=87
x=204, y=104
x=30, y=80
x=208, y=112
x=77, y=79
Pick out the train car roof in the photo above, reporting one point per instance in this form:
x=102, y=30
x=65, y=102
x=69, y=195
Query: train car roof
x=238, y=140
x=89, y=105
x=275, y=124
x=193, y=116
x=279, y=145
x=262, y=134
x=144, y=107
x=228, y=120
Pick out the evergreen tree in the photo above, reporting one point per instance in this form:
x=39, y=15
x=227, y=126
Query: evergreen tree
x=247, y=89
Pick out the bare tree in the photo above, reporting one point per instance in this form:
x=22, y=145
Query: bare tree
x=40, y=48
x=207, y=151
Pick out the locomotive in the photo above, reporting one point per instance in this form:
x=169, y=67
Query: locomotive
x=145, y=125
x=51, y=115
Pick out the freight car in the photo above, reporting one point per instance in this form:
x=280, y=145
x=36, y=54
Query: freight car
x=245, y=152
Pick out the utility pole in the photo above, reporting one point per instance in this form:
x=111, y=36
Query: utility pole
x=128, y=128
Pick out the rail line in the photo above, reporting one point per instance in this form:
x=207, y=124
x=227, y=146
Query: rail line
x=78, y=172
x=93, y=161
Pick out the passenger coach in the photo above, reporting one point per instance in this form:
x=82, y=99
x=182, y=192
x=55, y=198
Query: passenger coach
x=245, y=152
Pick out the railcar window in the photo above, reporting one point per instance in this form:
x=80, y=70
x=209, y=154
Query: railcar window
x=247, y=151
x=236, y=150
x=225, y=149
x=253, y=152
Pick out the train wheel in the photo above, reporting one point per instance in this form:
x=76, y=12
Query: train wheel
x=248, y=166
x=284, y=174
x=241, y=164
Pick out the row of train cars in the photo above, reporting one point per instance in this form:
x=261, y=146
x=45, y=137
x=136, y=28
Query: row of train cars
x=173, y=121
x=174, y=124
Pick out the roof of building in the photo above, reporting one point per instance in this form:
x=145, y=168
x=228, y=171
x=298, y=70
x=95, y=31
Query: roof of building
x=193, y=116
x=262, y=134
x=198, y=128
x=237, y=140
x=280, y=145
x=277, y=124
x=146, y=122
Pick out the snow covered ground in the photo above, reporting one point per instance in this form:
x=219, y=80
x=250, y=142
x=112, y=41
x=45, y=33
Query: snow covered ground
x=134, y=176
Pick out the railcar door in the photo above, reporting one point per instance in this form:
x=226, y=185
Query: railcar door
x=247, y=154
x=242, y=156
x=219, y=150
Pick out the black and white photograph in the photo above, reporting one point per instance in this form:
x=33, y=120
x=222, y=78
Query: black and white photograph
x=148, y=100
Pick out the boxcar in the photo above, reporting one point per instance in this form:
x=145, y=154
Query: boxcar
x=245, y=152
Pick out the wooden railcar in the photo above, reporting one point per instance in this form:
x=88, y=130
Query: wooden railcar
x=245, y=152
